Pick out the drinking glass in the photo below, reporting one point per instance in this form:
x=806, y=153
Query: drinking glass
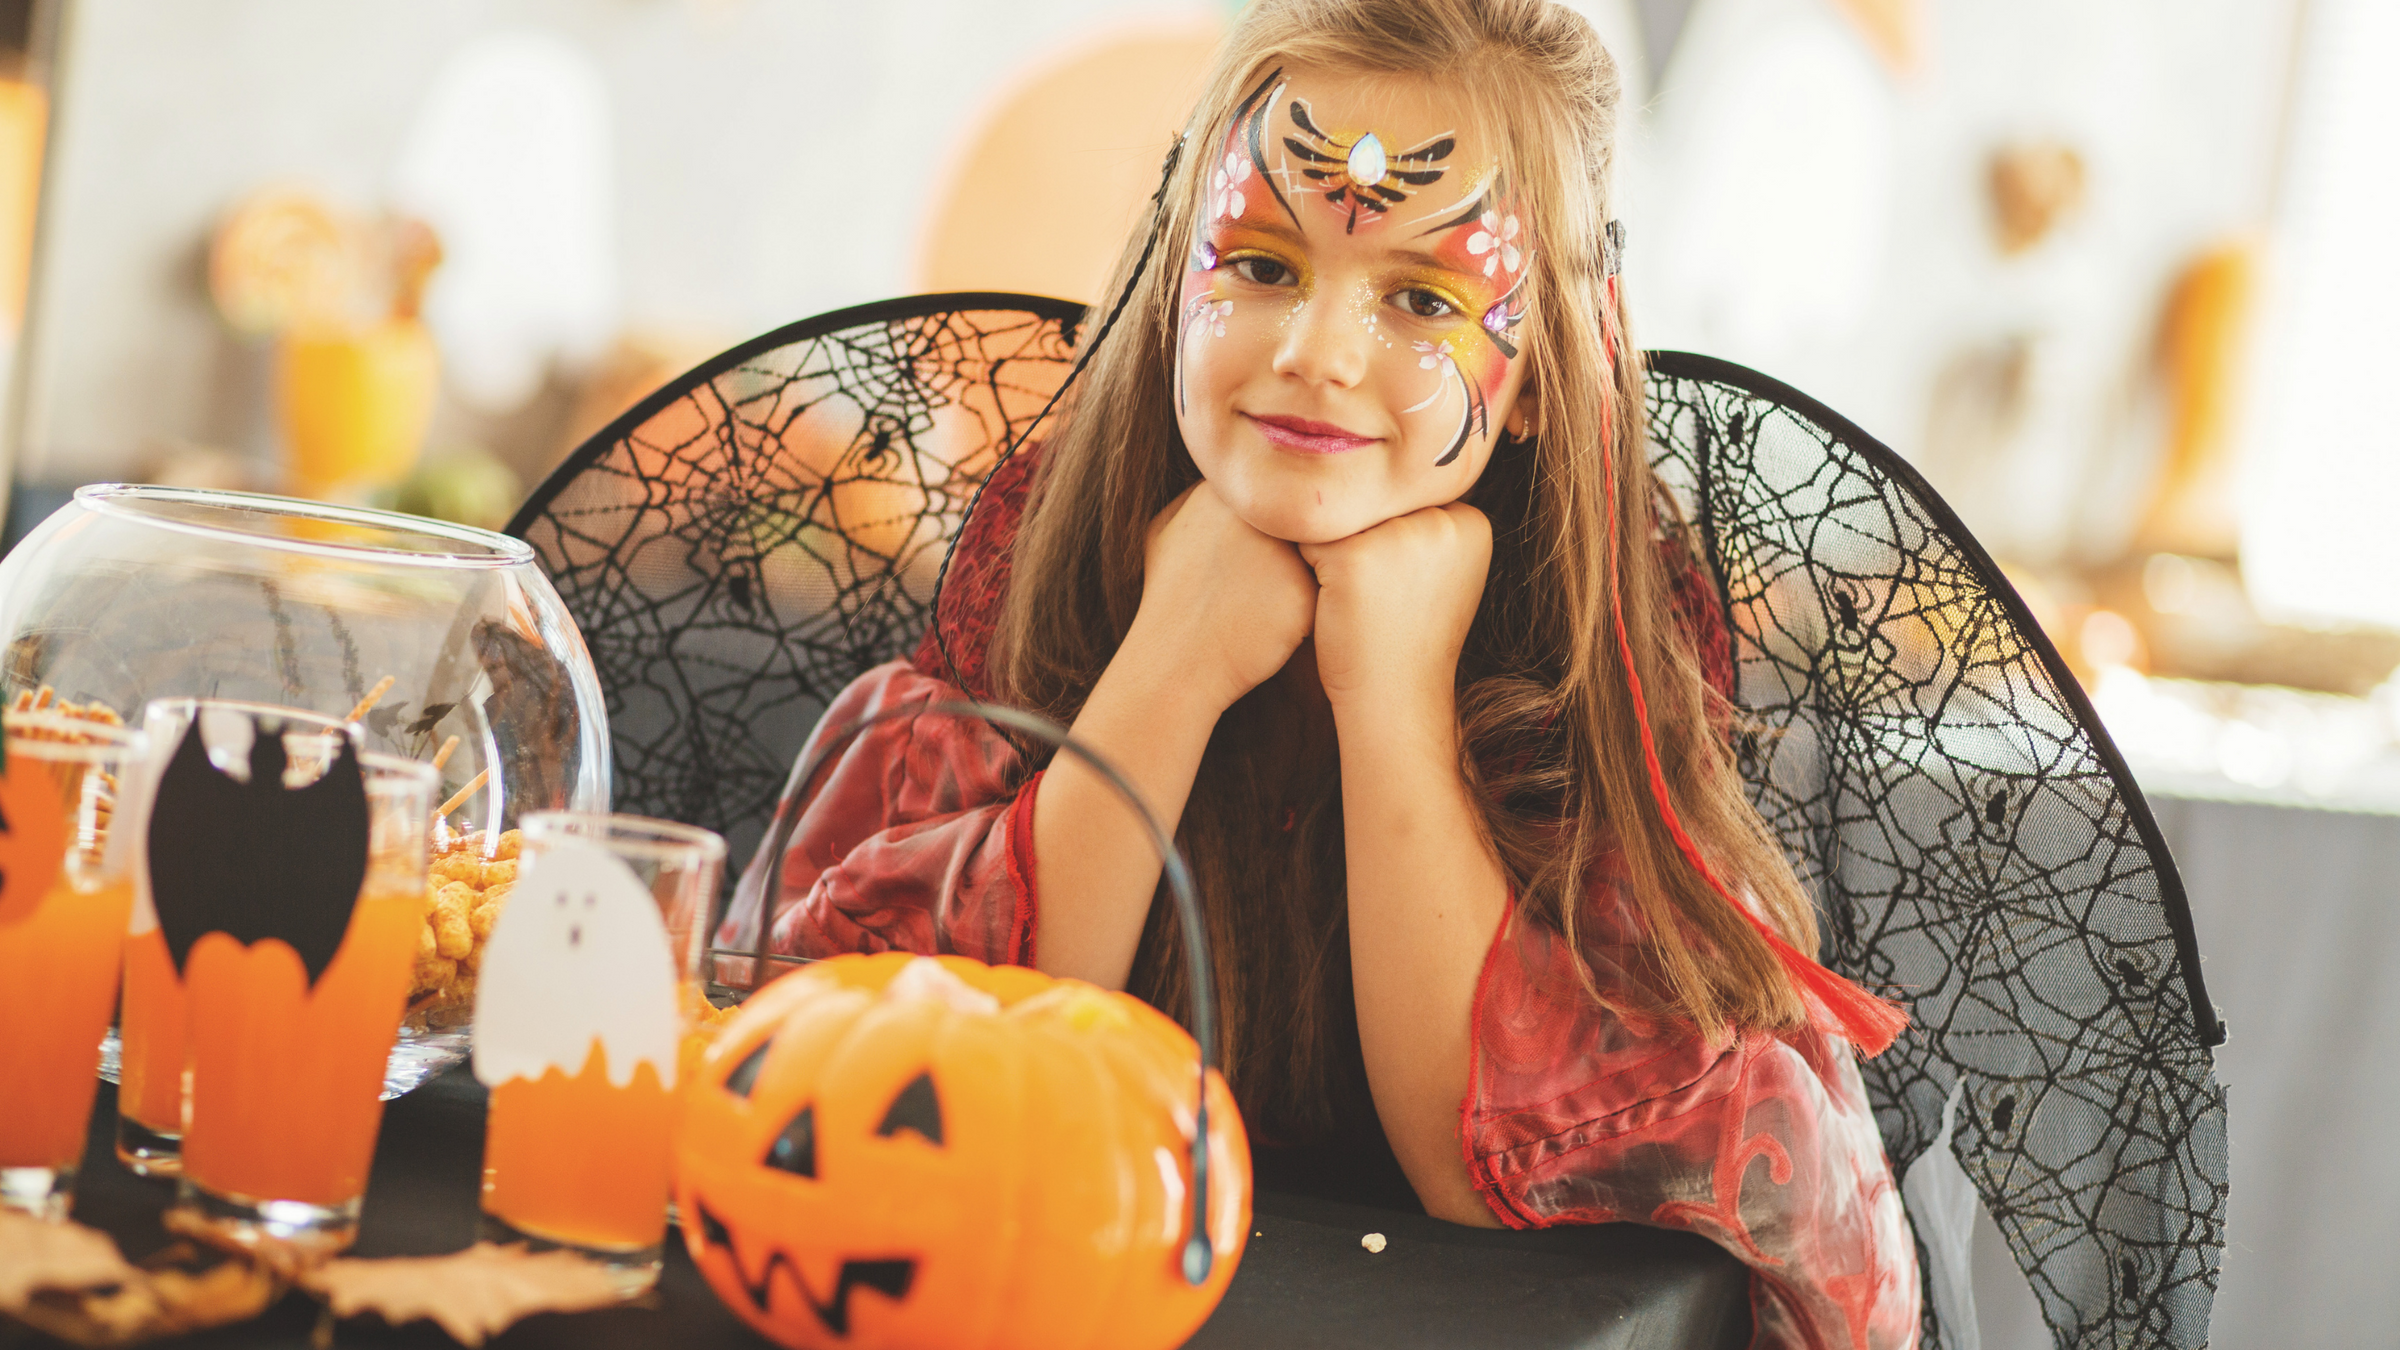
x=570, y=1159
x=59, y=949
x=285, y=1076
x=152, y=1083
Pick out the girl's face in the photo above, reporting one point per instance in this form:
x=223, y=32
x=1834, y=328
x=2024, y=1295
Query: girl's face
x=1348, y=345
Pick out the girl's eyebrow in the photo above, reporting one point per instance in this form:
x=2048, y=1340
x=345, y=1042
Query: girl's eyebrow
x=1420, y=258
x=1270, y=227
x=1414, y=257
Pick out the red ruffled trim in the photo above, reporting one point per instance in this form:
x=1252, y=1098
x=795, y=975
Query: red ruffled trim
x=1486, y=1185
x=1021, y=872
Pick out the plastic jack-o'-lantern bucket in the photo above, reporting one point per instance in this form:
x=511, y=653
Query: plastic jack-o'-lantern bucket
x=899, y=1151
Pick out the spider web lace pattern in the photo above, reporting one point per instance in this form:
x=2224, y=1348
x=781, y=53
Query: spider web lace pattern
x=768, y=527
x=1976, y=848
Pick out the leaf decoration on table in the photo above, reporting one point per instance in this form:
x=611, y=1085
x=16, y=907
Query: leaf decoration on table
x=473, y=1295
x=36, y=1255
x=69, y=1281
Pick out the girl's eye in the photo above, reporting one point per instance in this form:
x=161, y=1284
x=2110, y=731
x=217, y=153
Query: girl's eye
x=1425, y=304
x=1263, y=271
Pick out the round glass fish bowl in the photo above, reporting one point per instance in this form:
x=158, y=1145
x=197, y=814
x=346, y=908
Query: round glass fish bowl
x=445, y=643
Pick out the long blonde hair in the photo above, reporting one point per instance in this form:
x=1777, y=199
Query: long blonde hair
x=1549, y=738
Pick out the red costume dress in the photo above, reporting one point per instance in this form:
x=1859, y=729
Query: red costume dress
x=919, y=837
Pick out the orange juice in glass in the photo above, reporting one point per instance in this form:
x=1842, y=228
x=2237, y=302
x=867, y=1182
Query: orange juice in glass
x=153, y=1083
x=293, y=988
x=580, y=1018
x=151, y=1080
x=66, y=886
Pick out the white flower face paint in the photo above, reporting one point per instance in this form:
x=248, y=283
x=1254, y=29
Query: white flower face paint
x=1434, y=357
x=1496, y=244
x=1229, y=179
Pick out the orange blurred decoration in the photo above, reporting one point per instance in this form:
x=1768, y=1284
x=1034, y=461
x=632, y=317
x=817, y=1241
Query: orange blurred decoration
x=1042, y=198
x=357, y=372
x=354, y=406
x=24, y=120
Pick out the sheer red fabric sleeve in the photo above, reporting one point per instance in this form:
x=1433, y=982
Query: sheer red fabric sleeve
x=913, y=837
x=1766, y=1145
x=916, y=835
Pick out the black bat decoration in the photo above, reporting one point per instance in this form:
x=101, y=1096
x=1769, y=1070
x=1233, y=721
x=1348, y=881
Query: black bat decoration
x=257, y=860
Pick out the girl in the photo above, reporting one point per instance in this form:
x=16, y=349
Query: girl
x=1346, y=552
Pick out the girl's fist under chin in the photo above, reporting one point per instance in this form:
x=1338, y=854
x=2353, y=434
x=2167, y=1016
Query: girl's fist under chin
x=1395, y=603
x=1223, y=603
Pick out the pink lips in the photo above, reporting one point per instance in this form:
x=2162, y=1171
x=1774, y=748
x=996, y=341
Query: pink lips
x=1301, y=436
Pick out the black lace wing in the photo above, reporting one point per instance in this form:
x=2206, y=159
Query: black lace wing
x=1976, y=845
x=767, y=527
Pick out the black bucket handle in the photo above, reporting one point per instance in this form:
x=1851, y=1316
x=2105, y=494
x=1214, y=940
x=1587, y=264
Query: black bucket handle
x=1199, y=1255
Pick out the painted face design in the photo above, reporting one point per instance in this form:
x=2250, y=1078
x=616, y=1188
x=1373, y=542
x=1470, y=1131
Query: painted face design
x=1357, y=170
x=1479, y=240
x=1429, y=267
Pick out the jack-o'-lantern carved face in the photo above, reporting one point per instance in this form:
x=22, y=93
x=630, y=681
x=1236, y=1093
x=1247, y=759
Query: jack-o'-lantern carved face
x=903, y=1151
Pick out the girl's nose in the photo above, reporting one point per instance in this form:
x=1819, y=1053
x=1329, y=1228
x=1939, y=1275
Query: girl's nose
x=1326, y=339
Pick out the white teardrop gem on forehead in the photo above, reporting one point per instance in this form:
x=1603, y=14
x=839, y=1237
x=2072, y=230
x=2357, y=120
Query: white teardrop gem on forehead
x=1367, y=161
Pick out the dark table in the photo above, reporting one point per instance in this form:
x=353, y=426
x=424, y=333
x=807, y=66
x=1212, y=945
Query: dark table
x=1304, y=1279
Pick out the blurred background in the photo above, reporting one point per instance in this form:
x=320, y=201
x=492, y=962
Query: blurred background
x=2114, y=274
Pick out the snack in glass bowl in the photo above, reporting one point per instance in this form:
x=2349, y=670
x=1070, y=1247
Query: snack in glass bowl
x=465, y=888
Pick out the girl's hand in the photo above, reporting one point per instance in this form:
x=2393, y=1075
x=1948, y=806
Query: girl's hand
x=1223, y=606
x=1395, y=604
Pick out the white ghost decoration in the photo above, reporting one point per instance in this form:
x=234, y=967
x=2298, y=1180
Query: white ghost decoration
x=579, y=952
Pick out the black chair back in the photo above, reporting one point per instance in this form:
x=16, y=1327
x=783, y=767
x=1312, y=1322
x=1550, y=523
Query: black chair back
x=758, y=533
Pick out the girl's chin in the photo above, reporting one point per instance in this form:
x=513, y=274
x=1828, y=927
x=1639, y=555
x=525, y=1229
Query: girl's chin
x=1306, y=507
x=1307, y=522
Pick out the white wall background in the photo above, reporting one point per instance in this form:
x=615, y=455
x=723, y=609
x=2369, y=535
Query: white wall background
x=1799, y=210
x=1792, y=205
x=773, y=158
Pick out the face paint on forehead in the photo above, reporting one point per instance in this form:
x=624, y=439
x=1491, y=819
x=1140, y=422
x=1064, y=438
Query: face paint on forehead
x=1356, y=171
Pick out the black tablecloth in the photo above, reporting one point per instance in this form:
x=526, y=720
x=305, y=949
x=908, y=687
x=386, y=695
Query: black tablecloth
x=1304, y=1280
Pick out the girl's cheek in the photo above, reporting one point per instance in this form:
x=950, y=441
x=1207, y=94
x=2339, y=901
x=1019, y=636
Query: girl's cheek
x=1442, y=383
x=1488, y=368
x=1226, y=336
x=1201, y=314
